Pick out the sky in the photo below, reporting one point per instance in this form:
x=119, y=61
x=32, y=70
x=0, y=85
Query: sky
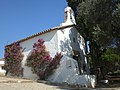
x=22, y=18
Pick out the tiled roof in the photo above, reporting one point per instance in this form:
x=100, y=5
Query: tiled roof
x=43, y=32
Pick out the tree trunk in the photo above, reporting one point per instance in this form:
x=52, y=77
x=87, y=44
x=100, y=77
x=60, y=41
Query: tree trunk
x=94, y=52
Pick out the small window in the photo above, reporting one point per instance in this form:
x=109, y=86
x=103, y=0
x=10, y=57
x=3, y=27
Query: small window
x=74, y=39
x=65, y=16
x=70, y=14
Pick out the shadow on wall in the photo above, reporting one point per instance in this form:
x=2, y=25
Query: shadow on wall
x=65, y=47
x=70, y=43
x=75, y=43
x=79, y=45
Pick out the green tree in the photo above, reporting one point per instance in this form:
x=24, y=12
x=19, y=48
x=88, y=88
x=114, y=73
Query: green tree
x=116, y=26
x=98, y=22
x=109, y=62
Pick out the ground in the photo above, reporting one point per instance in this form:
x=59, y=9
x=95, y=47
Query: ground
x=10, y=83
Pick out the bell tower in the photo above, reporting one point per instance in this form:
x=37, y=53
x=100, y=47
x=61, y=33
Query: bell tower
x=69, y=17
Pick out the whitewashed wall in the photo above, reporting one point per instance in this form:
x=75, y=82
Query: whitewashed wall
x=65, y=40
x=68, y=72
x=66, y=45
x=51, y=46
x=49, y=38
x=2, y=62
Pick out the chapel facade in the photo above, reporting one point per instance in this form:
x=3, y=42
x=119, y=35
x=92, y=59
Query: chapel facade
x=64, y=38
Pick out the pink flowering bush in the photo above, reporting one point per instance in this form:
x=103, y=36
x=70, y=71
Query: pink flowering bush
x=13, y=57
x=53, y=65
x=40, y=60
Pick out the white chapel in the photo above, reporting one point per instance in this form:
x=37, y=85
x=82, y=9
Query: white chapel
x=74, y=68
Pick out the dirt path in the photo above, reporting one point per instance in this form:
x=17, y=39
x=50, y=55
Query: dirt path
x=9, y=83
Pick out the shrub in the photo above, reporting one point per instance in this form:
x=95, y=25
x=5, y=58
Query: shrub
x=13, y=58
x=40, y=60
x=109, y=62
x=53, y=65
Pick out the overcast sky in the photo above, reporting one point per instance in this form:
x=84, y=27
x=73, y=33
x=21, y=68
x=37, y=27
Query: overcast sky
x=22, y=18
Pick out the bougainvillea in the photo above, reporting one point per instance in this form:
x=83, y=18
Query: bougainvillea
x=13, y=57
x=40, y=60
x=53, y=65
